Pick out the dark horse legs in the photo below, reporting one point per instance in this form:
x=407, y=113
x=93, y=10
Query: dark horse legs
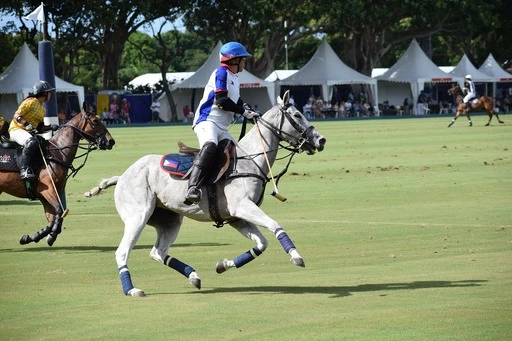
x=52, y=231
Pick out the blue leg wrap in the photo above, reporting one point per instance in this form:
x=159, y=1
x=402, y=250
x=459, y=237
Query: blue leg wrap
x=246, y=257
x=285, y=241
x=179, y=266
x=126, y=279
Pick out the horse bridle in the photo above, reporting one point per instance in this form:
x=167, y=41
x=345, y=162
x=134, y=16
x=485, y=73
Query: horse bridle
x=296, y=146
x=279, y=133
x=93, y=139
x=94, y=142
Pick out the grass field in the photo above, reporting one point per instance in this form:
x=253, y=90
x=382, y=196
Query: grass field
x=405, y=227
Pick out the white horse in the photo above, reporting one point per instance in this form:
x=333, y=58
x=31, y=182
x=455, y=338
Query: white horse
x=147, y=195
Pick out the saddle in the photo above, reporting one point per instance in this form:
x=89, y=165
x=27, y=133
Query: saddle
x=10, y=152
x=180, y=164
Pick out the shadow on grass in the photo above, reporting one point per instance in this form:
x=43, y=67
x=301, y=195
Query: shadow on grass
x=23, y=202
x=35, y=248
x=343, y=291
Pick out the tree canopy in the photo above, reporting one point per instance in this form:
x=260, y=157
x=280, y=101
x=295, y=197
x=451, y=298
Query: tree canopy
x=100, y=44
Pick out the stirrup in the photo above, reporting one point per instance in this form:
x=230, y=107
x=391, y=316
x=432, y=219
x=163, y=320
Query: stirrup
x=27, y=174
x=194, y=195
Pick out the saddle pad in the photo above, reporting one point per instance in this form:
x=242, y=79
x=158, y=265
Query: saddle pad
x=176, y=164
x=7, y=159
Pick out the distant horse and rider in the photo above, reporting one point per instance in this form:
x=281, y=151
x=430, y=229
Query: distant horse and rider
x=482, y=103
x=148, y=195
x=51, y=165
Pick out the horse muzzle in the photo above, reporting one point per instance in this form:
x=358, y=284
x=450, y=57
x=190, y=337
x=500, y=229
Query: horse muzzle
x=314, y=144
x=106, y=143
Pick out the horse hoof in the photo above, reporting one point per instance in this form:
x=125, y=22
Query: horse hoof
x=50, y=240
x=25, y=239
x=298, y=262
x=136, y=293
x=222, y=266
x=195, y=280
x=485, y=125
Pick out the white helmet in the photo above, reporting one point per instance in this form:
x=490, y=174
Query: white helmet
x=468, y=77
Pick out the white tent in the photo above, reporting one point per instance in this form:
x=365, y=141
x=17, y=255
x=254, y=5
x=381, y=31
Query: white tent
x=492, y=68
x=253, y=90
x=325, y=68
x=280, y=74
x=413, y=70
x=465, y=67
x=17, y=80
x=150, y=79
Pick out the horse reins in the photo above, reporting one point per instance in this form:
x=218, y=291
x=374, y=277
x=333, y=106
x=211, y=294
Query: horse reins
x=91, y=146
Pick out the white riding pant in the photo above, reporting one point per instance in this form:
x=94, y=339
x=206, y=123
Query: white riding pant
x=207, y=131
x=469, y=97
x=20, y=136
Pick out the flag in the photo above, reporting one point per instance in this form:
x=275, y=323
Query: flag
x=38, y=14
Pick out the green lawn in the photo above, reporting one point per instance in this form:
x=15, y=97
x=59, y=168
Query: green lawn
x=405, y=227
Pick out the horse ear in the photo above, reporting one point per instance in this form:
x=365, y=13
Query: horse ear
x=84, y=106
x=286, y=96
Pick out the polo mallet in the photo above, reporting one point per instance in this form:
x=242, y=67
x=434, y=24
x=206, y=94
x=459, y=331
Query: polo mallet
x=275, y=193
x=65, y=211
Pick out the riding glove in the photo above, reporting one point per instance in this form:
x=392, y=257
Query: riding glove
x=249, y=114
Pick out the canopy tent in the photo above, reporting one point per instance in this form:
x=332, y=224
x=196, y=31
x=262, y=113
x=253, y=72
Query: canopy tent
x=151, y=79
x=280, y=74
x=253, y=90
x=325, y=68
x=17, y=80
x=415, y=68
x=465, y=67
x=492, y=68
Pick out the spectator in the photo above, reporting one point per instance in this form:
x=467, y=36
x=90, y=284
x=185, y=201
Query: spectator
x=62, y=116
x=155, y=110
x=407, y=109
x=105, y=116
x=351, y=97
x=422, y=103
x=114, y=111
x=186, y=113
x=362, y=97
x=125, y=111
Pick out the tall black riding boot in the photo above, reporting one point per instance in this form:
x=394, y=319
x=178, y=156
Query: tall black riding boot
x=29, y=150
x=202, y=165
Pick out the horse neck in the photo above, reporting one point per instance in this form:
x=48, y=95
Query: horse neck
x=251, y=144
x=64, y=145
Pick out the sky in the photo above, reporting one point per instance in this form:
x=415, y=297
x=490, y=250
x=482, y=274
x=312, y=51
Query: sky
x=4, y=19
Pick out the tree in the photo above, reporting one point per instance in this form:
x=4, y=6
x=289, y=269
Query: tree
x=366, y=31
x=167, y=51
x=258, y=24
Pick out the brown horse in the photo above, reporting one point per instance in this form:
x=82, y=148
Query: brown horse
x=60, y=151
x=484, y=103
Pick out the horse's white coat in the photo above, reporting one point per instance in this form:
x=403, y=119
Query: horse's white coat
x=146, y=195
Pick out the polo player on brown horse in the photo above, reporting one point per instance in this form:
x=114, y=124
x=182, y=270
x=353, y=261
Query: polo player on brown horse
x=485, y=103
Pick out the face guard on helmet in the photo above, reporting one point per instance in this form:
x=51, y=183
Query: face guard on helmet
x=41, y=87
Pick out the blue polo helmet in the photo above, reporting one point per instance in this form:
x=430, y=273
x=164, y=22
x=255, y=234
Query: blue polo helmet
x=232, y=50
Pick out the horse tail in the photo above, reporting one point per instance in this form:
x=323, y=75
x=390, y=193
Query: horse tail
x=104, y=183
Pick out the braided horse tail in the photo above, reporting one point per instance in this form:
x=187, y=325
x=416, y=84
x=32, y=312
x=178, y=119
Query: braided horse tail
x=104, y=183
